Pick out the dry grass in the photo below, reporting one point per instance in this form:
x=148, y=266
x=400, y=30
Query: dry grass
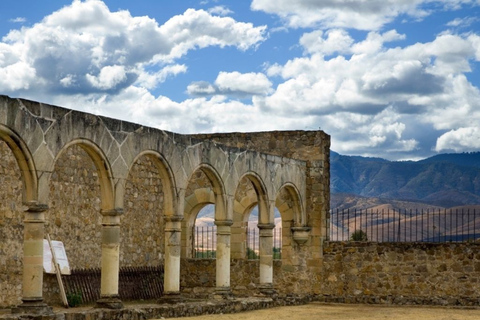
x=350, y=312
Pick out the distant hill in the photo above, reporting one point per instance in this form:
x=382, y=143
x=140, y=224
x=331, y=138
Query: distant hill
x=444, y=180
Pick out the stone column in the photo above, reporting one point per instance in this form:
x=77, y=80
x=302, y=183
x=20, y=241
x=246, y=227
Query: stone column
x=109, y=297
x=266, y=257
x=173, y=231
x=223, y=257
x=33, y=234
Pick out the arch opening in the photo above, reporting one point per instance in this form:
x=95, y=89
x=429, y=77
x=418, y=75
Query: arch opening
x=205, y=237
x=144, y=210
x=12, y=195
x=250, y=201
x=253, y=235
x=24, y=162
x=290, y=209
x=75, y=204
x=200, y=212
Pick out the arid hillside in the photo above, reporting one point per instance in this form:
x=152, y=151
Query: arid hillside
x=446, y=180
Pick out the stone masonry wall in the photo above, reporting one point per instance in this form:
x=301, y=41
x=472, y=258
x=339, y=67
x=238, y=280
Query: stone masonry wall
x=314, y=148
x=198, y=278
x=11, y=228
x=74, y=214
x=302, y=145
x=65, y=155
x=75, y=202
x=142, y=227
x=402, y=273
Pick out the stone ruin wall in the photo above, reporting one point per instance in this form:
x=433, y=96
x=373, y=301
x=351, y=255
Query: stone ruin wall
x=142, y=231
x=75, y=201
x=198, y=275
x=74, y=217
x=401, y=273
x=67, y=155
x=299, y=271
x=11, y=228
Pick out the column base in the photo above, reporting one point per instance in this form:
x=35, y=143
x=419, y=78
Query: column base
x=222, y=293
x=171, y=298
x=267, y=289
x=35, y=307
x=109, y=302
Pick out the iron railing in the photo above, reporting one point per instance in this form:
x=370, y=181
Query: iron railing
x=135, y=283
x=446, y=225
x=205, y=243
x=253, y=244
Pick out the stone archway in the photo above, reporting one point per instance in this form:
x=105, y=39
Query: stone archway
x=251, y=192
x=223, y=221
x=25, y=163
x=17, y=163
x=195, y=201
x=143, y=226
x=289, y=205
x=12, y=218
x=85, y=179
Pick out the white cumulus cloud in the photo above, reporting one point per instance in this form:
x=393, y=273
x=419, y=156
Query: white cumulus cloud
x=233, y=83
x=251, y=83
x=85, y=47
x=220, y=11
x=462, y=139
x=361, y=15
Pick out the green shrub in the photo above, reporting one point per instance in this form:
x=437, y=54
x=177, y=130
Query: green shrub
x=359, y=235
x=251, y=254
x=74, y=299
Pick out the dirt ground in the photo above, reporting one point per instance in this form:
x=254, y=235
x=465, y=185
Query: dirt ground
x=350, y=312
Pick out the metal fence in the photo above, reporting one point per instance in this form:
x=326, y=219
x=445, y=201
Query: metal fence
x=253, y=244
x=447, y=225
x=205, y=243
x=135, y=283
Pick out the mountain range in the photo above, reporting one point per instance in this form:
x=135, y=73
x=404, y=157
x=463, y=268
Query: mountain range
x=443, y=181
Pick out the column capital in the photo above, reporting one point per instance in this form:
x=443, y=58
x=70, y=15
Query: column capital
x=34, y=212
x=173, y=218
x=266, y=226
x=223, y=223
x=112, y=212
x=301, y=234
x=35, y=207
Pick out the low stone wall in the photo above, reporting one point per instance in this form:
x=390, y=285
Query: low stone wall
x=161, y=311
x=401, y=273
x=198, y=278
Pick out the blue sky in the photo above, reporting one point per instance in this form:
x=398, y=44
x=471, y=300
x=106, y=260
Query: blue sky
x=396, y=79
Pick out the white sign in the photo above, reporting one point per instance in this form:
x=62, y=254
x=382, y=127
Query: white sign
x=60, y=254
